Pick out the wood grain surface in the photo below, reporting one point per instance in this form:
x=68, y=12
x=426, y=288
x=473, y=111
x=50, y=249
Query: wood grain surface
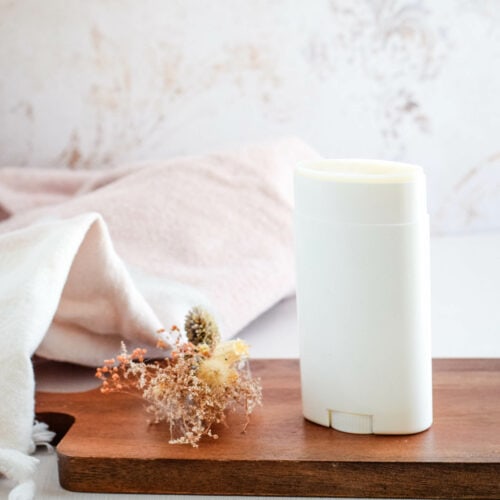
x=108, y=445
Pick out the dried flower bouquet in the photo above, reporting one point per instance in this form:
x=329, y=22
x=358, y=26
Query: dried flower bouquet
x=194, y=387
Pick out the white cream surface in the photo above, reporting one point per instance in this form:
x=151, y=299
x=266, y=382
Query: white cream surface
x=361, y=171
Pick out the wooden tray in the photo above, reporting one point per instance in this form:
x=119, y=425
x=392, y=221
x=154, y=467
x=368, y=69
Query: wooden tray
x=109, y=446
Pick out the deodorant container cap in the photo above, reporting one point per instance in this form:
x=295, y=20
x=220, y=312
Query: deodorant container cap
x=360, y=191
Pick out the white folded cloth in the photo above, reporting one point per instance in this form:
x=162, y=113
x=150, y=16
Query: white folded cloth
x=64, y=273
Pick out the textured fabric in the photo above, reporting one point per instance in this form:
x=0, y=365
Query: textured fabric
x=219, y=223
x=90, y=258
x=59, y=271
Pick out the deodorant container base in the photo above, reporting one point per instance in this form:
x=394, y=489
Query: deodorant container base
x=363, y=295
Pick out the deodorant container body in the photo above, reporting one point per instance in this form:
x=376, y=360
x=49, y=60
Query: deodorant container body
x=363, y=295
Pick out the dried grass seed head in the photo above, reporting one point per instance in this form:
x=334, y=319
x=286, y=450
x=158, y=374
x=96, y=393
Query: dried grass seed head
x=201, y=328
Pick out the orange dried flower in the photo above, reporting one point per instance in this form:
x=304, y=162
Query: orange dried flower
x=191, y=390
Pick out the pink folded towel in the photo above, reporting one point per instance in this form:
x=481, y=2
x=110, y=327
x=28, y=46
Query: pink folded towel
x=90, y=258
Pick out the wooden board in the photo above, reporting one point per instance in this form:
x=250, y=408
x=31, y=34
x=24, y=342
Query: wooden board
x=111, y=448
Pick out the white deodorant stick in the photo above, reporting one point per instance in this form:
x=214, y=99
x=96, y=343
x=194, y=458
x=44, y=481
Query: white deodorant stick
x=363, y=295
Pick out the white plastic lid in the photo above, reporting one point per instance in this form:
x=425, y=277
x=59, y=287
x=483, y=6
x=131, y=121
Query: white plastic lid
x=355, y=191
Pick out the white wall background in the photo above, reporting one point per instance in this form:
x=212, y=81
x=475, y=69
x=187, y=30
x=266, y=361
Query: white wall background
x=95, y=83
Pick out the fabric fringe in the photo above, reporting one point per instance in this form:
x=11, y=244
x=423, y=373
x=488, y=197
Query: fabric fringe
x=20, y=468
x=23, y=491
x=42, y=436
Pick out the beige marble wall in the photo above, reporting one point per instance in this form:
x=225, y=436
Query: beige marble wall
x=94, y=83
